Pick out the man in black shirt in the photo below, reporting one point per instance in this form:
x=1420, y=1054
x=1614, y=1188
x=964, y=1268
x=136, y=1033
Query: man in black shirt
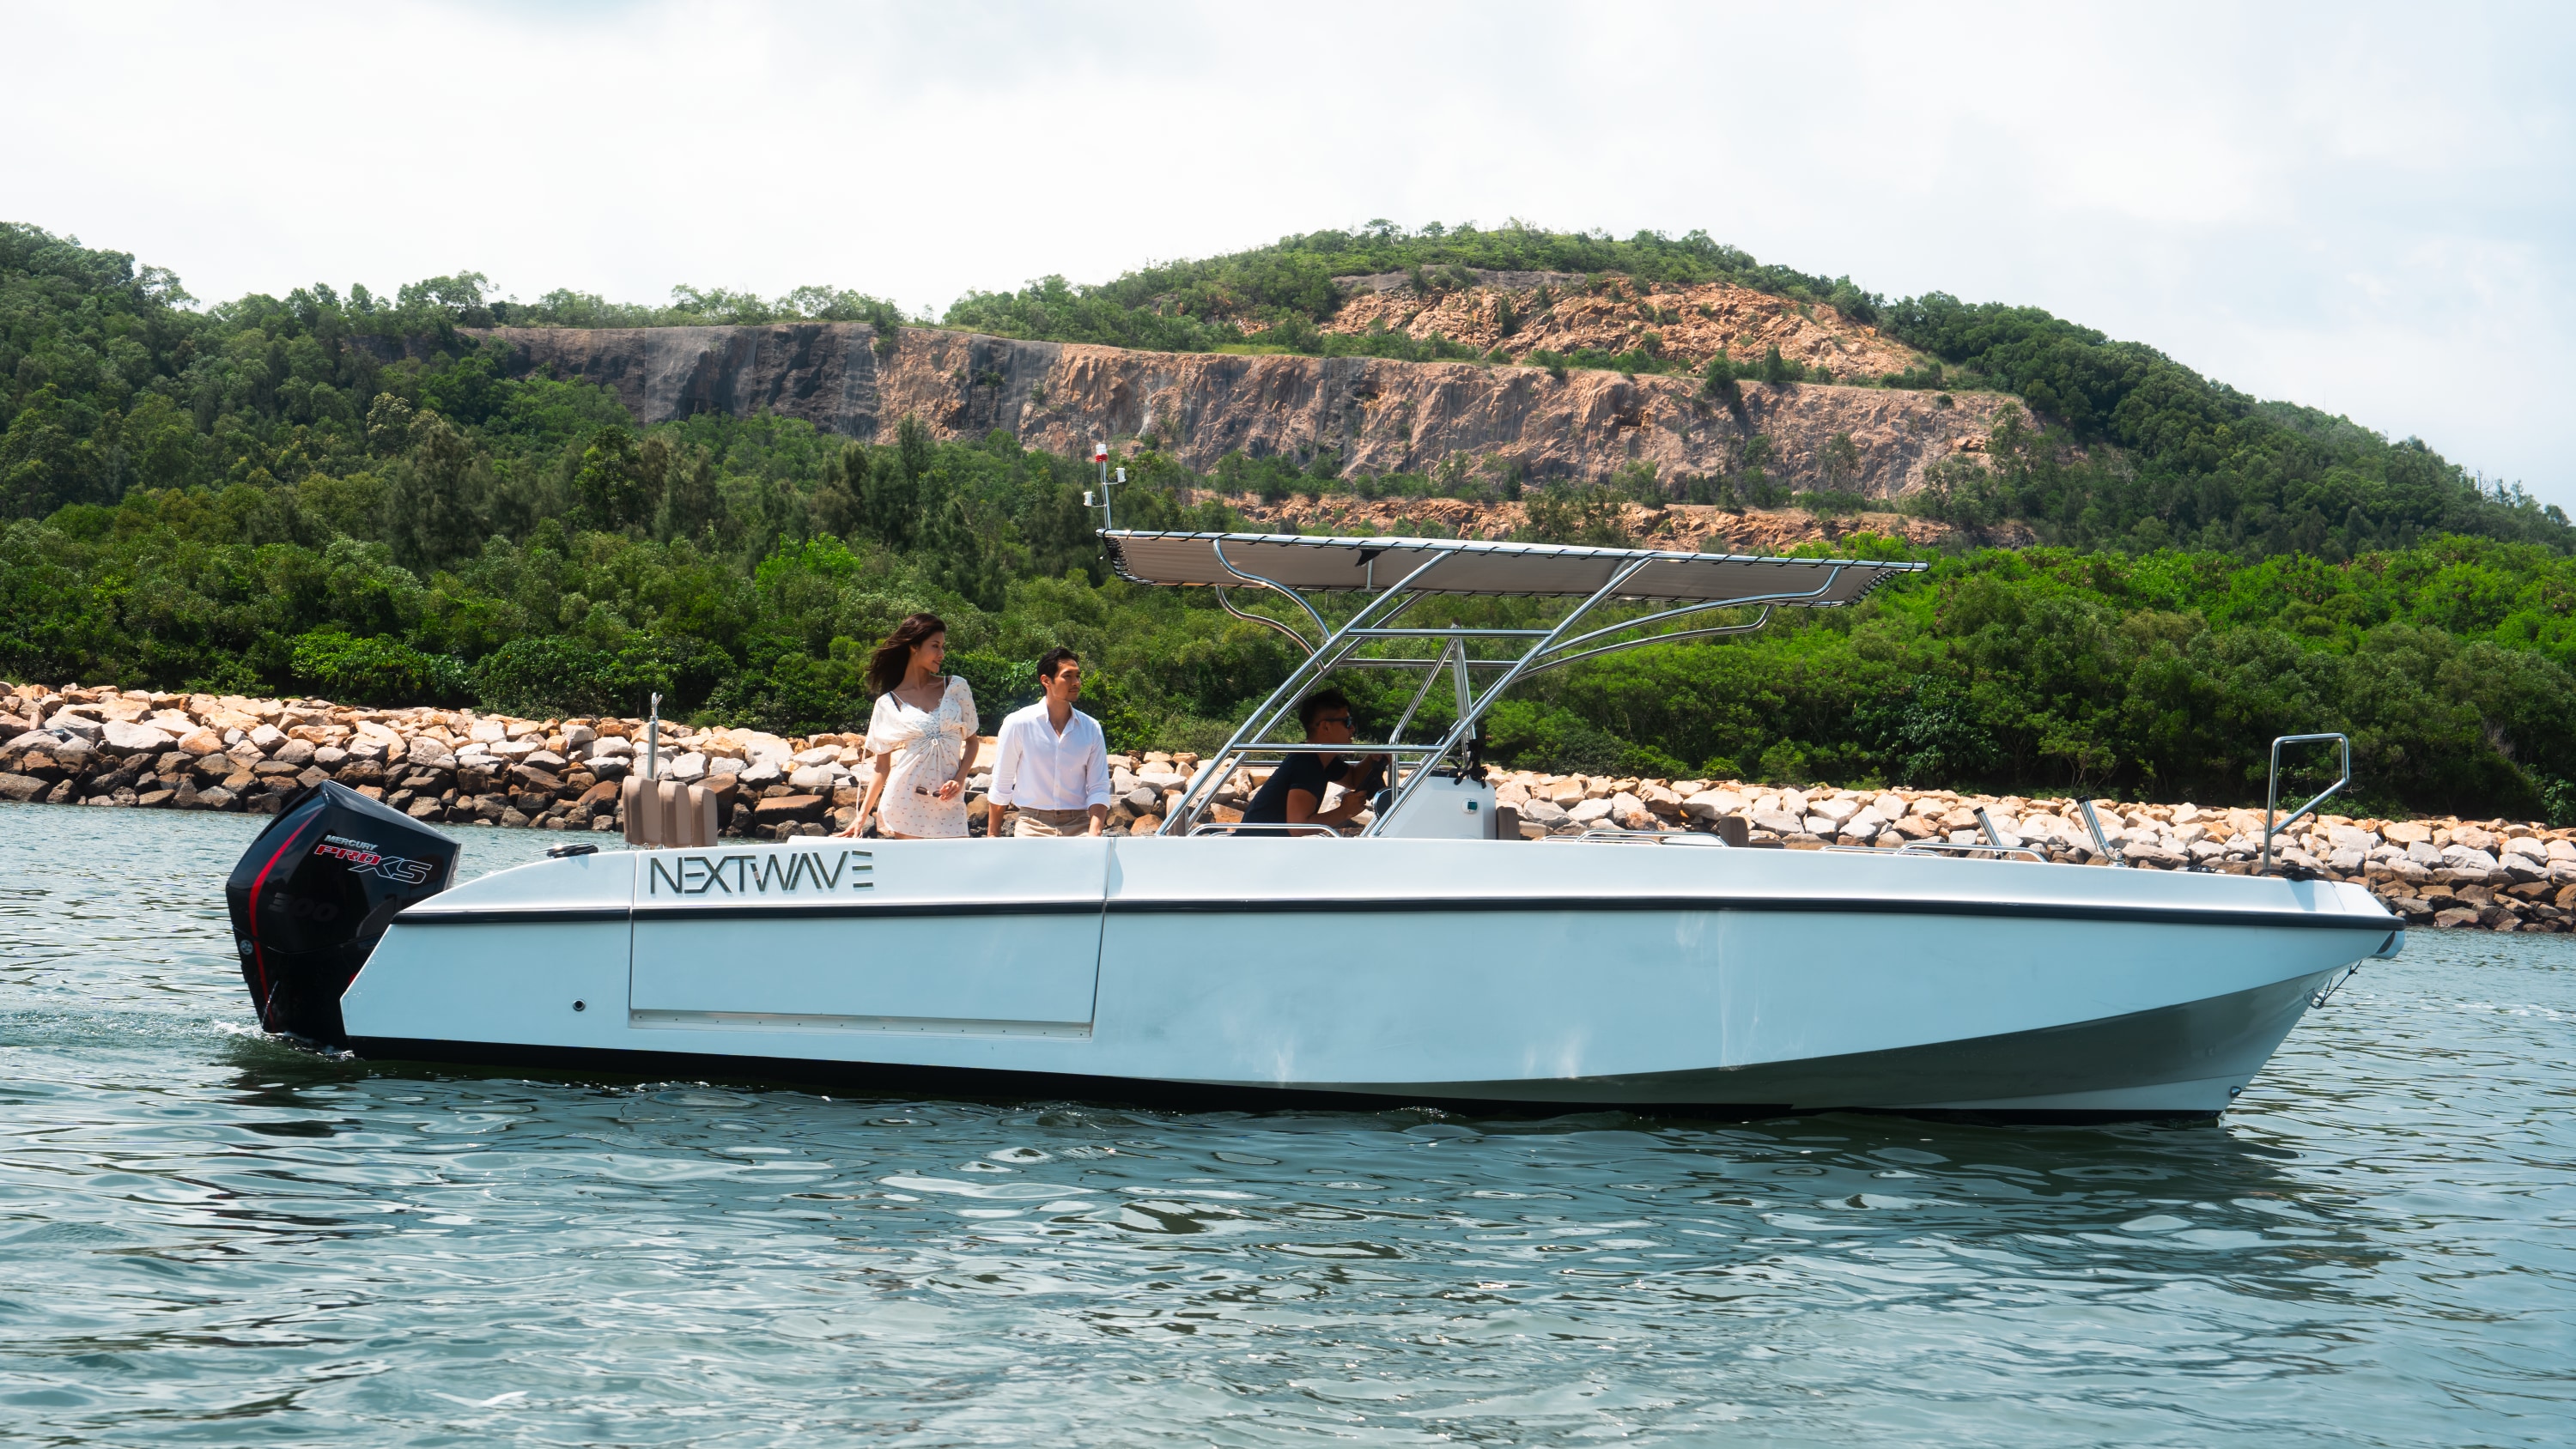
x=1294, y=794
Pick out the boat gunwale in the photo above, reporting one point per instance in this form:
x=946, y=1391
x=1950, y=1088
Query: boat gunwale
x=1417, y=905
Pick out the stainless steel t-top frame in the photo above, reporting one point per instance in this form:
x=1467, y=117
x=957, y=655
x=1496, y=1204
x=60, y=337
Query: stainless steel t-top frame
x=1451, y=566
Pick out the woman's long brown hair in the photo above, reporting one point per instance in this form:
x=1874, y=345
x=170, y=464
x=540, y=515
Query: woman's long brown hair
x=887, y=666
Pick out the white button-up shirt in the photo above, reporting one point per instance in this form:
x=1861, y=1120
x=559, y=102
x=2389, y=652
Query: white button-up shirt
x=1041, y=770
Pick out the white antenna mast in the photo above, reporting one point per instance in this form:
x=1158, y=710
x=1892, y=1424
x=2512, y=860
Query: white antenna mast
x=1100, y=455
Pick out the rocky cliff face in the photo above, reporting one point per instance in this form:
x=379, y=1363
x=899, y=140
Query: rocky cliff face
x=1378, y=416
x=1519, y=313
x=1689, y=527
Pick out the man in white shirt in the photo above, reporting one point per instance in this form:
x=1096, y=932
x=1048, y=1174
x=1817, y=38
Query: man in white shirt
x=1052, y=760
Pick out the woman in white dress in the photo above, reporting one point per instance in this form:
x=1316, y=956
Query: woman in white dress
x=923, y=736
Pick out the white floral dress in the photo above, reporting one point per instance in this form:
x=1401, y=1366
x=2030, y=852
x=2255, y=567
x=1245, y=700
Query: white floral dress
x=927, y=748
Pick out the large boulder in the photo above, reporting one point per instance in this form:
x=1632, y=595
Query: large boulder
x=120, y=737
x=780, y=808
x=1711, y=804
x=1836, y=809
x=2459, y=855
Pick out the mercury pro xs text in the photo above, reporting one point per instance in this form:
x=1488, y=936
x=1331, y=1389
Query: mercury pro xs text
x=314, y=894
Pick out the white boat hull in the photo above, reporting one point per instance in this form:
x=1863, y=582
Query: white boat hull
x=1571, y=975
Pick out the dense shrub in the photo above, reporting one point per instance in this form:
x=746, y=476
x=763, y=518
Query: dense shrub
x=338, y=666
x=561, y=675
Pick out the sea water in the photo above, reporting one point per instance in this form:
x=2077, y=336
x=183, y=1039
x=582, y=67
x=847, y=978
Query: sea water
x=209, y=1238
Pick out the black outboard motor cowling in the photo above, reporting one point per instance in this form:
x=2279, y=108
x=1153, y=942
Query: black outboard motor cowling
x=314, y=895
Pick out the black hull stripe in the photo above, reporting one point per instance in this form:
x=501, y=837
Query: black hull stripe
x=813, y=910
x=2011, y=910
x=975, y=1084
x=504, y=916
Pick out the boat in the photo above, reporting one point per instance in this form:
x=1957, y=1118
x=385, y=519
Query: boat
x=1432, y=956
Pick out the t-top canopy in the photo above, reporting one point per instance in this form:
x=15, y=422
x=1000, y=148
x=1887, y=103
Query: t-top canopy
x=1470, y=566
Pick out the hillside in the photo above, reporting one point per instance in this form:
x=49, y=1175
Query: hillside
x=435, y=499
x=2115, y=446
x=2128, y=448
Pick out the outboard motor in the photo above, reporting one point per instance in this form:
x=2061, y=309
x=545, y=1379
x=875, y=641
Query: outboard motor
x=314, y=895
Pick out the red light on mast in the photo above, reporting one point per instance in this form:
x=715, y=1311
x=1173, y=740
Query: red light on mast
x=1099, y=452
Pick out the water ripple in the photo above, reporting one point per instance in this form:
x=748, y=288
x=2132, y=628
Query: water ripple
x=205, y=1236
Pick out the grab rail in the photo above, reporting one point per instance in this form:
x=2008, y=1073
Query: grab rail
x=1950, y=847
x=2272, y=790
x=1211, y=827
x=1642, y=837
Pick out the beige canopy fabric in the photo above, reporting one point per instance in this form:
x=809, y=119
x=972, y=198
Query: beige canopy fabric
x=1470, y=566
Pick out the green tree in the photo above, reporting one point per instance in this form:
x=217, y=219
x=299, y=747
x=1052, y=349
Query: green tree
x=437, y=502
x=620, y=483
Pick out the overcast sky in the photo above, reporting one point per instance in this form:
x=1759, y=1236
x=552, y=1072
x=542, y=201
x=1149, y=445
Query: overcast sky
x=2367, y=209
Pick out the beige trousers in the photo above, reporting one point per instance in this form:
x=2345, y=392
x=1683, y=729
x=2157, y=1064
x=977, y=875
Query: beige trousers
x=1045, y=824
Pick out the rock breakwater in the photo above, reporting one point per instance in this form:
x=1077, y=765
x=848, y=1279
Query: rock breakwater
x=105, y=747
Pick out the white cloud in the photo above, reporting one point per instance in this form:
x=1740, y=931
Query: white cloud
x=2365, y=209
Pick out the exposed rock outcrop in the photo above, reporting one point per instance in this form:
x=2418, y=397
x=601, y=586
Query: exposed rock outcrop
x=1688, y=527
x=1524, y=312
x=1378, y=416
